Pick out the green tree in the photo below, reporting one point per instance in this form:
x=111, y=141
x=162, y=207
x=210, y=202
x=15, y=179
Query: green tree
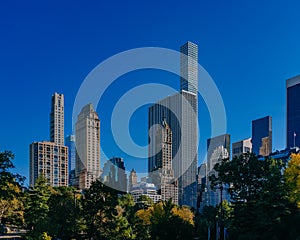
x=99, y=202
x=64, y=213
x=167, y=225
x=11, y=196
x=259, y=196
x=37, y=208
x=292, y=179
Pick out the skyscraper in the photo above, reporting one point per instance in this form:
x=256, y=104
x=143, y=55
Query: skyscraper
x=163, y=176
x=189, y=67
x=87, y=140
x=262, y=136
x=70, y=143
x=218, y=148
x=57, y=119
x=50, y=159
x=293, y=112
x=114, y=175
x=241, y=147
x=180, y=112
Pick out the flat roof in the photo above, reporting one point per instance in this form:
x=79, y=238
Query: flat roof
x=293, y=81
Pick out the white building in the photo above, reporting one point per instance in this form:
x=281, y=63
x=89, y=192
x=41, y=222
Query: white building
x=147, y=189
x=87, y=167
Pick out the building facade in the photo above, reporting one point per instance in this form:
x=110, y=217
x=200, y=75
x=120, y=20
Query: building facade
x=147, y=189
x=70, y=143
x=181, y=113
x=218, y=148
x=241, y=147
x=163, y=173
x=133, y=180
x=293, y=112
x=57, y=119
x=114, y=174
x=87, y=139
x=262, y=136
x=49, y=160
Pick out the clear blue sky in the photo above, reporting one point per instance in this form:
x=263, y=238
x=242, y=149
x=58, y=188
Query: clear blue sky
x=249, y=48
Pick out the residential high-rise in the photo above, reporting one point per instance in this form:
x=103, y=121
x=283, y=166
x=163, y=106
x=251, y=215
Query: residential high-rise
x=189, y=67
x=114, y=175
x=70, y=143
x=180, y=112
x=132, y=179
x=293, y=112
x=218, y=148
x=241, y=147
x=87, y=140
x=57, y=119
x=262, y=136
x=50, y=159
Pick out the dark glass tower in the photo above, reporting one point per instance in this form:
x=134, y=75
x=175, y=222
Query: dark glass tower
x=262, y=136
x=180, y=111
x=293, y=112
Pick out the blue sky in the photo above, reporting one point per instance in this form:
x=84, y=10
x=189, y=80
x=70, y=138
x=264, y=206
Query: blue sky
x=249, y=48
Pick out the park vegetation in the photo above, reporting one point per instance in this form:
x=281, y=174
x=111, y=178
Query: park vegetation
x=264, y=204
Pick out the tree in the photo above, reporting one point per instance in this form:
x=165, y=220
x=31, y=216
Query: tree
x=98, y=204
x=258, y=195
x=167, y=225
x=63, y=216
x=292, y=179
x=37, y=208
x=11, y=196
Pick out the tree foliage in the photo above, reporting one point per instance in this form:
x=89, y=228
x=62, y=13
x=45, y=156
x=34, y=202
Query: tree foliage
x=258, y=194
x=292, y=178
x=11, y=195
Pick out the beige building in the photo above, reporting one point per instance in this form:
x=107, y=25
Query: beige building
x=87, y=167
x=57, y=119
x=163, y=174
x=241, y=147
x=49, y=160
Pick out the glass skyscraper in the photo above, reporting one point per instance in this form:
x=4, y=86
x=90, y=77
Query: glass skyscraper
x=262, y=136
x=180, y=111
x=293, y=112
x=218, y=148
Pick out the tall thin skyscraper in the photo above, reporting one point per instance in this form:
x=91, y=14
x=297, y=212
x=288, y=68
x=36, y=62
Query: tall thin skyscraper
x=262, y=136
x=189, y=67
x=293, y=112
x=180, y=112
x=50, y=159
x=57, y=119
x=87, y=147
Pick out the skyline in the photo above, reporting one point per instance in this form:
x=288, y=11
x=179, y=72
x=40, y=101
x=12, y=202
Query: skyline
x=56, y=53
